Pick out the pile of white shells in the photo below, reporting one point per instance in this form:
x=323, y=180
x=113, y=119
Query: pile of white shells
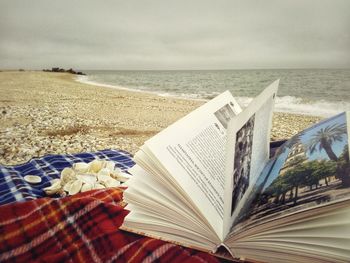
x=81, y=177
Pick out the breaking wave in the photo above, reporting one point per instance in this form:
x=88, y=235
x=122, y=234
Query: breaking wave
x=293, y=104
x=289, y=104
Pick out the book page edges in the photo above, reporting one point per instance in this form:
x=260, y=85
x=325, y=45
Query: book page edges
x=125, y=228
x=249, y=243
x=217, y=252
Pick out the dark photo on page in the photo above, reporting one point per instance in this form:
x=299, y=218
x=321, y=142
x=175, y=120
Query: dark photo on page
x=242, y=159
x=224, y=114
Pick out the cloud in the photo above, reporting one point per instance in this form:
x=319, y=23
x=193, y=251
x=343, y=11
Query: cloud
x=174, y=34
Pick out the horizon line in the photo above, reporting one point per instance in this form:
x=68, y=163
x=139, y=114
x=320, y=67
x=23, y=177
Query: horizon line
x=222, y=69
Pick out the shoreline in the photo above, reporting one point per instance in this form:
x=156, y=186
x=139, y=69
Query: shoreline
x=52, y=113
x=80, y=79
x=291, y=104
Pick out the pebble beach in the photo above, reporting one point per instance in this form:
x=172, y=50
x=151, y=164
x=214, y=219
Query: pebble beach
x=51, y=113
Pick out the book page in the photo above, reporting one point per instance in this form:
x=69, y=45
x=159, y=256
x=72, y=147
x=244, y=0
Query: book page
x=162, y=202
x=192, y=150
x=311, y=169
x=320, y=233
x=248, y=141
x=159, y=213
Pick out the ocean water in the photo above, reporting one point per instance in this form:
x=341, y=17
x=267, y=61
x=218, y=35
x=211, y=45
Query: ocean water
x=319, y=92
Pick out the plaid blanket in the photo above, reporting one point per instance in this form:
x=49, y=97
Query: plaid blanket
x=14, y=188
x=79, y=228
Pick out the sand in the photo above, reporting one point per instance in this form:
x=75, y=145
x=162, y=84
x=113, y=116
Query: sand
x=51, y=113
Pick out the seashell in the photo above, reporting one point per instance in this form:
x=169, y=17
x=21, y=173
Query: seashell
x=115, y=172
x=75, y=187
x=50, y=191
x=67, y=174
x=67, y=186
x=82, y=177
x=103, y=178
x=99, y=186
x=56, y=184
x=123, y=177
x=87, y=178
x=105, y=171
x=67, y=171
x=81, y=167
x=53, y=181
x=109, y=165
x=95, y=166
x=86, y=187
x=53, y=189
x=33, y=179
x=112, y=183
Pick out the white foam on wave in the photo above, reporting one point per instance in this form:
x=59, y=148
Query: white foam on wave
x=291, y=104
x=86, y=80
x=319, y=108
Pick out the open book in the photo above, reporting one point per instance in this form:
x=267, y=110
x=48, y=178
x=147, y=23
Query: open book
x=206, y=182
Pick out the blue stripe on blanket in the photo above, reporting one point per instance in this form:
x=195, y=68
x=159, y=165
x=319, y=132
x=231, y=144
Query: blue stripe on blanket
x=14, y=188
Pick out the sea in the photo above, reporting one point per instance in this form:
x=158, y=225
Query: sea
x=318, y=92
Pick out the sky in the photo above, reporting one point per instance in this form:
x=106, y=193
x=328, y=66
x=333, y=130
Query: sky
x=168, y=34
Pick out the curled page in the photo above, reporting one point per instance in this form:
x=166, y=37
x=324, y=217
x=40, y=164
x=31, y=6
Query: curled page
x=248, y=140
x=192, y=151
x=311, y=170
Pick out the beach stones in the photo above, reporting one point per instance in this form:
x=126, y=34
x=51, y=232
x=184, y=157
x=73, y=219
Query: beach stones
x=82, y=177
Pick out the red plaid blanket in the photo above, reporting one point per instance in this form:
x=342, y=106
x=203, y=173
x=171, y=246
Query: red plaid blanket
x=80, y=228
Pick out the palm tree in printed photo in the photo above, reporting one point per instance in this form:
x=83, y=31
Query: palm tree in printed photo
x=325, y=138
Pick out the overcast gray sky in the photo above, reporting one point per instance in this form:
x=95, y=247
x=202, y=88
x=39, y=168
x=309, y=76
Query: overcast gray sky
x=174, y=34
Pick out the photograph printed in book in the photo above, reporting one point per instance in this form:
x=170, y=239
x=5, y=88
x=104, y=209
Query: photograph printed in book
x=242, y=160
x=310, y=169
x=225, y=114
